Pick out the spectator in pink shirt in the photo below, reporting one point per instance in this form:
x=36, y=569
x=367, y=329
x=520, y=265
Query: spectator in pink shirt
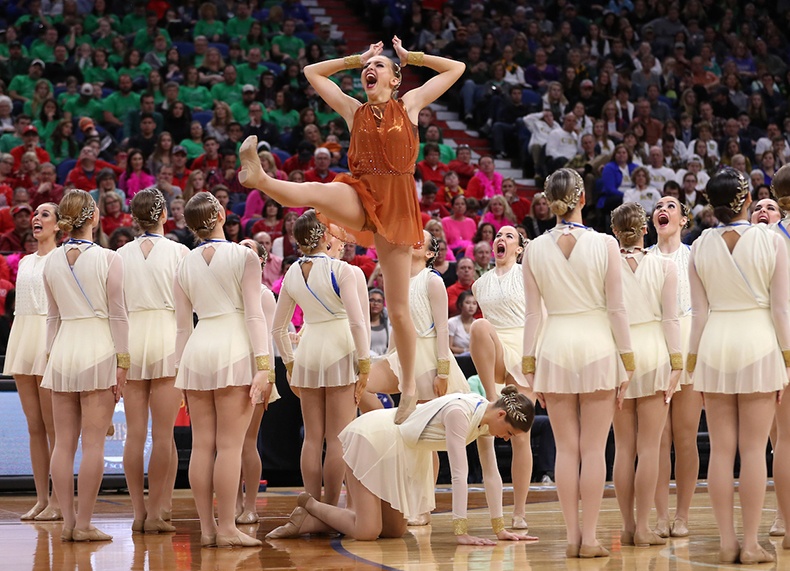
x=458, y=227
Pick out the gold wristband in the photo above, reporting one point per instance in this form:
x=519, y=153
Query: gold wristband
x=124, y=361
x=272, y=376
x=676, y=361
x=364, y=366
x=352, y=62
x=460, y=526
x=262, y=362
x=415, y=58
x=289, y=366
x=786, y=357
x=527, y=365
x=498, y=523
x=691, y=362
x=443, y=367
x=628, y=361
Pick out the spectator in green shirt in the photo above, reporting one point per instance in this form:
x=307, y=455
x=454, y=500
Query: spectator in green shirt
x=229, y=90
x=251, y=71
x=47, y=119
x=201, y=47
x=11, y=39
x=256, y=39
x=135, y=68
x=208, y=25
x=105, y=35
x=144, y=39
x=99, y=13
x=239, y=25
x=134, y=21
x=283, y=115
x=86, y=105
x=101, y=72
x=41, y=92
x=44, y=47
x=193, y=145
x=15, y=64
x=196, y=96
x=117, y=105
x=22, y=86
x=11, y=140
x=286, y=46
x=240, y=109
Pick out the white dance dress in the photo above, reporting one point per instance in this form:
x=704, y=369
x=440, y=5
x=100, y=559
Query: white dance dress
x=396, y=462
x=501, y=299
x=334, y=335
x=86, y=318
x=740, y=321
x=681, y=259
x=586, y=327
x=428, y=308
x=148, y=289
x=225, y=293
x=650, y=294
x=26, y=352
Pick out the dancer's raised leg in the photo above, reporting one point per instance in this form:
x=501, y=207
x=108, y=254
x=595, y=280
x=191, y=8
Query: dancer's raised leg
x=487, y=355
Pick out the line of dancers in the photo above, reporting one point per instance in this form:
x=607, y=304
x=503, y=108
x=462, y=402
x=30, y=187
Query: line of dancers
x=593, y=328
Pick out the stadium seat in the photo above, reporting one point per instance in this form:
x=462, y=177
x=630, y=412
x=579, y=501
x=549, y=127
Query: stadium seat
x=203, y=117
x=282, y=155
x=238, y=208
x=223, y=48
x=185, y=49
x=531, y=99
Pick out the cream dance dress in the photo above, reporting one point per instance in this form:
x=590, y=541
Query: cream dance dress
x=586, y=327
x=681, y=258
x=334, y=335
x=650, y=294
x=86, y=319
x=148, y=288
x=231, y=331
x=740, y=323
x=501, y=299
x=396, y=462
x=428, y=307
x=26, y=351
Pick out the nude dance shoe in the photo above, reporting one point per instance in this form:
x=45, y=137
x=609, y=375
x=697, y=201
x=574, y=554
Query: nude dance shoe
x=91, y=534
x=590, y=551
x=754, y=557
x=627, y=538
x=662, y=528
x=520, y=523
x=238, y=540
x=408, y=404
x=50, y=514
x=777, y=528
x=571, y=551
x=138, y=526
x=208, y=540
x=646, y=540
x=247, y=517
x=158, y=526
x=33, y=512
x=291, y=529
x=422, y=519
x=679, y=528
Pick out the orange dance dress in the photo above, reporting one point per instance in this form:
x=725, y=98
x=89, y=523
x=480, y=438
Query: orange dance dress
x=382, y=158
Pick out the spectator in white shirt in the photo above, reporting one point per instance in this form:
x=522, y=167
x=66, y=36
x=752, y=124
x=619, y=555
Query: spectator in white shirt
x=540, y=125
x=659, y=173
x=562, y=144
x=642, y=192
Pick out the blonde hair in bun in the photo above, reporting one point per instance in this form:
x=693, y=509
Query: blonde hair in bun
x=628, y=223
x=75, y=210
x=563, y=188
x=780, y=187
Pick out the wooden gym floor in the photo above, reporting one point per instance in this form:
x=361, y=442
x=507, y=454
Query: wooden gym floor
x=36, y=547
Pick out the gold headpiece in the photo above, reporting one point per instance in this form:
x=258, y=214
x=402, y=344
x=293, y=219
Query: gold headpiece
x=85, y=215
x=573, y=199
x=316, y=233
x=743, y=192
x=156, y=209
x=511, y=407
x=211, y=221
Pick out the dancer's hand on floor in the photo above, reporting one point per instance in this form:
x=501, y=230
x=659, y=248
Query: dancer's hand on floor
x=467, y=539
x=506, y=535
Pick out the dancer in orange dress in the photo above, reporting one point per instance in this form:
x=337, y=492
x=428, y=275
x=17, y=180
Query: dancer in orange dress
x=377, y=204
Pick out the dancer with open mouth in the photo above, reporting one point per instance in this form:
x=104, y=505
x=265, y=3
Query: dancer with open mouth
x=377, y=203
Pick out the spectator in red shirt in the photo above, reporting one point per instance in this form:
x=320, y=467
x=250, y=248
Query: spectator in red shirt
x=462, y=165
x=11, y=241
x=320, y=172
x=428, y=203
x=365, y=263
x=210, y=157
x=112, y=214
x=20, y=196
x=48, y=190
x=83, y=176
x=465, y=268
x=180, y=170
x=519, y=206
x=30, y=142
x=303, y=159
x=430, y=167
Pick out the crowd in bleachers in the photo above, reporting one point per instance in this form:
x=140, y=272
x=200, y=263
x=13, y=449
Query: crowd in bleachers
x=642, y=98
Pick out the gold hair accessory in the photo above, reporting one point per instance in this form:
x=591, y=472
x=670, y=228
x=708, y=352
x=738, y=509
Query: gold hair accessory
x=289, y=366
x=460, y=526
x=527, y=365
x=415, y=58
x=211, y=221
x=443, y=367
x=262, y=362
x=740, y=197
x=364, y=366
x=156, y=208
x=124, y=361
x=498, y=524
x=511, y=407
x=691, y=362
x=272, y=376
x=786, y=357
x=85, y=215
x=316, y=233
x=578, y=189
x=352, y=62
x=676, y=361
x=628, y=361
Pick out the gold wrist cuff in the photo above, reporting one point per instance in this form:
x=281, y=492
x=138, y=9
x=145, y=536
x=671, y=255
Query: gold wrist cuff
x=443, y=367
x=364, y=366
x=460, y=526
x=786, y=357
x=124, y=361
x=262, y=362
x=415, y=58
x=527, y=365
x=272, y=376
x=352, y=62
x=628, y=361
x=289, y=366
x=691, y=362
x=676, y=361
x=498, y=524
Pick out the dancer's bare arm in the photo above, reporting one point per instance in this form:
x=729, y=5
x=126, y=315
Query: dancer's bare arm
x=318, y=75
x=449, y=72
